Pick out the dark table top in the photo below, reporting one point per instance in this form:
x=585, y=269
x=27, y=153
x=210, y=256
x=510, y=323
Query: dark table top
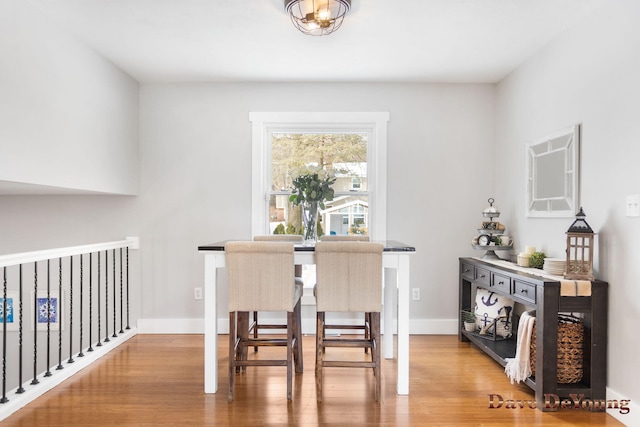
x=389, y=246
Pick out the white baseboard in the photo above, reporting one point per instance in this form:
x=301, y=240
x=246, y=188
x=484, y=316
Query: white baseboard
x=32, y=392
x=433, y=326
x=196, y=326
x=631, y=417
x=174, y=326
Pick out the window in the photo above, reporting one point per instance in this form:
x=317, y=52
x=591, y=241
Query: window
x=356, y=183
x=359, y=204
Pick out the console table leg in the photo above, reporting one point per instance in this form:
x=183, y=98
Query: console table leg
x=546, y=346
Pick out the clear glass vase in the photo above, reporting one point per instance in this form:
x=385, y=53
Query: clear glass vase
x=310, y=222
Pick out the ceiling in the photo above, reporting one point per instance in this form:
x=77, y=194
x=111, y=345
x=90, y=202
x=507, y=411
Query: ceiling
x=460, y=41
x=254, y=40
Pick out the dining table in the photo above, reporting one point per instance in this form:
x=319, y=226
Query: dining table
x=395, y=260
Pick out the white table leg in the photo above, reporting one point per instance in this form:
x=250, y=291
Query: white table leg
x=211, y=262
x=390, y=290
x=403, y=324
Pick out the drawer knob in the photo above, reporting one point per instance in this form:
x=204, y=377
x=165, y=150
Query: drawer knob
x=501, y=283
x=524, y=291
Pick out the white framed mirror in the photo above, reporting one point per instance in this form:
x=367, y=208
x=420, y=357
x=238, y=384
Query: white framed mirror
x=553, y=174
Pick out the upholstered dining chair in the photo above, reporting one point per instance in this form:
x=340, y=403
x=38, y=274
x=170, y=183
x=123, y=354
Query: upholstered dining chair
x=261, y=278
x=349, y=279
x=255, y=326
x=335, y=326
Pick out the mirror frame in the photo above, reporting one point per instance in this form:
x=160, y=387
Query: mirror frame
x=571, y=172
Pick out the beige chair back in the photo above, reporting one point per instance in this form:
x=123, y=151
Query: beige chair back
x=349, y=276
x=261, y=276
x=295, y=238
x=348, y=238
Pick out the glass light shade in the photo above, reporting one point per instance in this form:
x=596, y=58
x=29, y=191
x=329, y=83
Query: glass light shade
x=317, y=17
x=323, y=15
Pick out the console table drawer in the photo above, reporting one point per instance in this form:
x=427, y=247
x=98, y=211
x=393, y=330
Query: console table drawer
x=501, y=283
x=525, y=291
x=482, y=276
x=467, y=271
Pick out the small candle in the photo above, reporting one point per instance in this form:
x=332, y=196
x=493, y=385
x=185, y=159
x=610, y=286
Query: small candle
x=529, y=249
x=523, y=259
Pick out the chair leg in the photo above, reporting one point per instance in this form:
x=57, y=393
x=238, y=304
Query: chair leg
x=255, y=328
x=290, y=344
x=319, y=337
x=375, y=352
x=367, y=329
x=319, y=353
x=232, y=354
x=297, y=354
x=323, y=332
x=242, y=331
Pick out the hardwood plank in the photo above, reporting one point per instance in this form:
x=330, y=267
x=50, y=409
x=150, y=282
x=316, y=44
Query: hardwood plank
x=157, y=380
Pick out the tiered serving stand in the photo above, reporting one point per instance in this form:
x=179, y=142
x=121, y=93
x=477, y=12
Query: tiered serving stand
x=488, y=231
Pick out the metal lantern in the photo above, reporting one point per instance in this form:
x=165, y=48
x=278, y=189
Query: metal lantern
x=580, y=237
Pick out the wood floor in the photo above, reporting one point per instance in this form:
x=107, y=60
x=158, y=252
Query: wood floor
x=156, y=380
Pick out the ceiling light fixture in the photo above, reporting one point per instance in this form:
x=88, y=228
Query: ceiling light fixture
x=317, y=17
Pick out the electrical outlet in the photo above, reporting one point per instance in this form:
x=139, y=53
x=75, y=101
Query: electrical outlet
x=415, y=294
x=197, y=293
x=633, y=205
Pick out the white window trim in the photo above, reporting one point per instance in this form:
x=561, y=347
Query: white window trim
x=372, y=123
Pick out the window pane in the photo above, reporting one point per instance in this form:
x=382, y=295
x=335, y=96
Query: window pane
x=345, y=215
x=343, y=154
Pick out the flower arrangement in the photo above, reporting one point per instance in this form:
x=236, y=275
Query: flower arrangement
x=312, y=184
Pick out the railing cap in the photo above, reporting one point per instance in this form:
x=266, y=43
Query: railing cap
x=43, y=255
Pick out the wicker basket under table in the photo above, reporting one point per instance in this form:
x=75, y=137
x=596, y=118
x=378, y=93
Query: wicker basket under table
x=570, y=349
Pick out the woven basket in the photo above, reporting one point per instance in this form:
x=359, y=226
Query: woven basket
x=570, y=349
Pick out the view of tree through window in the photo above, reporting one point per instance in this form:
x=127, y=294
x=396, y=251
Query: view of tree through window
x=344, y=155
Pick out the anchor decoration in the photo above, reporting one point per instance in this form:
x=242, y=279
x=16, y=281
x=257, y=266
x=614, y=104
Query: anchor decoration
x=488, y=302
x=493, y=313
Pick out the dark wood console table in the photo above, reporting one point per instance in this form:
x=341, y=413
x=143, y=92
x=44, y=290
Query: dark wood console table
x=543, y=295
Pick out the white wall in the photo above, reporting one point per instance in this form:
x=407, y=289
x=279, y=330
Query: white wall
x=68, y=117
x=588, y=76
x=195, y=147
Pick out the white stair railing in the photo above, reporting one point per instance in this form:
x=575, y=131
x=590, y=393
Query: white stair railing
x=60, y=310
